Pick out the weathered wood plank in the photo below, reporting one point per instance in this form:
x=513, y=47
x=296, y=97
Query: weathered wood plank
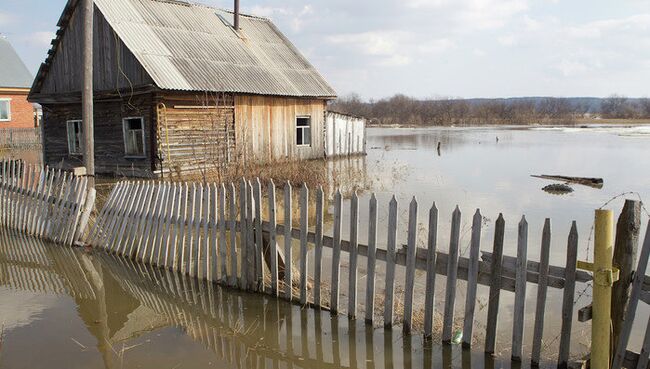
x=223, y=252
x=288, y=250
x=250, y=239
x=214, y=245
x=304, y=229
x=390, y=263
x=243, y=233
x=472, y=279
x=233, y=235
x=318, y=247
x=273, y=240
x=520, y=292
x=259, y=238
x=372, y=259
x=336, y=254
x=625, y=252
x=495, y=287
x=429, y=298
x=637, y=286
x=410, y=265
x=452, y=275
x=567, y=302
x=542, y=288
x=354, y=251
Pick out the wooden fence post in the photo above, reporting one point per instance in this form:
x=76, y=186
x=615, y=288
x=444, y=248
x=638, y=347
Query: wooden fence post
x=429, y=298
x=603, y=244
x=452, y=274
x=372, y=259
x=567, y=302
x=495, y=287
x=411, y=249
x=625, y=251
x=390, y=263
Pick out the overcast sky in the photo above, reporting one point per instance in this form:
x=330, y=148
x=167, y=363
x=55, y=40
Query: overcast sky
x=434, y=48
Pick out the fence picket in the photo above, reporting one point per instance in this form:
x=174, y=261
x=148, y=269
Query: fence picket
x=520, y=291
x=181, y=252
x=259, y=239
x=170, y=215
x=472, y=279
x=273, y=240
x=250, y=239
x=391, y=258
x=429, y=299
x=542, y=287
x=372, y=259
x=233, y=236
x=354, y=256
x=288, y=255
x=243, y=233
x=318, y=247
x=304, y=229
x=567, y=302
x=223, y=252
x=336, y=254
x=203, y=249
x=214, y=245
x=495, y=286
x=411, y=248
x=452, y=274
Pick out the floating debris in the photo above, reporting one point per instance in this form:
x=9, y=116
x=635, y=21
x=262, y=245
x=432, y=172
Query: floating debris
x=590, y=182
x=558, y=189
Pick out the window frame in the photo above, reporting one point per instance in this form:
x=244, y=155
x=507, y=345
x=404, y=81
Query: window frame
x=67, y=128
x=8, y=101
x=302, y=129
x=144, y=142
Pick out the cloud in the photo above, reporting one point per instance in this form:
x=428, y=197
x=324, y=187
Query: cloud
x=37, y=39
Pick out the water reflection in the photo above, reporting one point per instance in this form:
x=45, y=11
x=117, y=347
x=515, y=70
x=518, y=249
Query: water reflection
x=137, y=316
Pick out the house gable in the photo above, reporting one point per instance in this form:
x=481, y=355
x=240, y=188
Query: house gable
x=115, y=67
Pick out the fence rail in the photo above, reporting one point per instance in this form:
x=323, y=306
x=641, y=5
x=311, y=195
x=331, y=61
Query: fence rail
x=217, y=233
x=20, y=138
x=42, y=202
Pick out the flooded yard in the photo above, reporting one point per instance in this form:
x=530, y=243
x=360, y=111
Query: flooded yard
x=84, y=309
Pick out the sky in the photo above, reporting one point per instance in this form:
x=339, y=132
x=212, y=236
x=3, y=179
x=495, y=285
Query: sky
x=433, y=48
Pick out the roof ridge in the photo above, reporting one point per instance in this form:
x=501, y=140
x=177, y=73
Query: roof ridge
x=202, y=5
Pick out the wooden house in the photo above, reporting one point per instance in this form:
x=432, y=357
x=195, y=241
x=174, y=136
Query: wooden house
x=15, y=81
x=179, y=86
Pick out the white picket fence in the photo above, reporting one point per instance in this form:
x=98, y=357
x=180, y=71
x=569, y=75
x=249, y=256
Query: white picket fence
x=42, y=202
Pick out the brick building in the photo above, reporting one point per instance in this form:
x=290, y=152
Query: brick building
x=15, y=82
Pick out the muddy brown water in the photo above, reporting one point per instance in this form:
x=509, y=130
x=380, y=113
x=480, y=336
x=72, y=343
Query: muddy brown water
x=74, y=308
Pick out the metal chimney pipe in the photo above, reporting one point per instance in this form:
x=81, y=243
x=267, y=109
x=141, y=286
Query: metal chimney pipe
x=236, y=15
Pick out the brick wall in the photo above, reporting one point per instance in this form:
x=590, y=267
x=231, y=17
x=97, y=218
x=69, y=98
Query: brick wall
x=22, y=111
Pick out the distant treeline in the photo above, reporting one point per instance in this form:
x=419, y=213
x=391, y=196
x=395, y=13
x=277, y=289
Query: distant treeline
x=404, y=110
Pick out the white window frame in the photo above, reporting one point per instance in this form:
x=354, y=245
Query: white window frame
x=302, y=129
x=144, y=142
x=8, y=101
x=67, y=128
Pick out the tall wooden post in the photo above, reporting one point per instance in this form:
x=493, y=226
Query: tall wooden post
x=625, y=251
x=87, y=95
x=603, y=280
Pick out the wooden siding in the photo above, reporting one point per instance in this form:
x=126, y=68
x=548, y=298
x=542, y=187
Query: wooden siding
x=109, y=138
x=115, y=66
x=195, y=131
x=266, y=126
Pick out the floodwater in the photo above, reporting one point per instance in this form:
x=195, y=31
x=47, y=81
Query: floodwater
x=71, y=308
x=65, y=308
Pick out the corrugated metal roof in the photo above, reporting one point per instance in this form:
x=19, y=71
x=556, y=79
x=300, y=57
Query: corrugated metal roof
x=13, y=72
x=193, y=47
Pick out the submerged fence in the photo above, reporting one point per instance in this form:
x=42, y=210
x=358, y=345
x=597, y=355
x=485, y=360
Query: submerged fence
x=217, y=233
x=42, y=202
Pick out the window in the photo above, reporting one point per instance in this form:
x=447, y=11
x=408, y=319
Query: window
x=133, y=137
x=303, y=131
x=74, y=137
x=5, y=110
